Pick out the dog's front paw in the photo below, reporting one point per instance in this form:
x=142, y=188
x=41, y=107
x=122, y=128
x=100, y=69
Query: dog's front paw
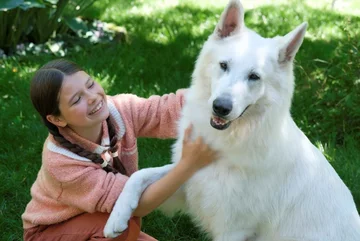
x=120, y=216
x=112, y=228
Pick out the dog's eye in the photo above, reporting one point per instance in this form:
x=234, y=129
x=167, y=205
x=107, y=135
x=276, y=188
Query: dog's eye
x=223, y=66
x=253, y=77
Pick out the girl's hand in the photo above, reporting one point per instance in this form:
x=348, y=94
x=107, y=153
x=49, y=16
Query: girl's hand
x=196, y=154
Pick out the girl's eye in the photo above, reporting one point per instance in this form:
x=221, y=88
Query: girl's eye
x=253, y=77
x=77, y=101
x=92, y=84
x=223, y=66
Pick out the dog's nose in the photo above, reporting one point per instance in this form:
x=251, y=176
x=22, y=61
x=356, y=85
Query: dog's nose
x=222, y=106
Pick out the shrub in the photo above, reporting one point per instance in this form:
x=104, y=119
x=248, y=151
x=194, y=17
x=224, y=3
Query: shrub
x=37, y=20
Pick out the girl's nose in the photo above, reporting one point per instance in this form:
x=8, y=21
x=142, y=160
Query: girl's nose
x=91, y=101
x=91, y=98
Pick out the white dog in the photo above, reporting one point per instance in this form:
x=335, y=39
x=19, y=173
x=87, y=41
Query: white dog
x=270, y=183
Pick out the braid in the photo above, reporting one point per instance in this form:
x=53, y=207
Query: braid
x=113, y=147
x=96, y=158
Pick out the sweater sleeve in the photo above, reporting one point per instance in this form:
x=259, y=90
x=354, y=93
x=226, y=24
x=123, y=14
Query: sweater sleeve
x=156, y=116
x=84, y=185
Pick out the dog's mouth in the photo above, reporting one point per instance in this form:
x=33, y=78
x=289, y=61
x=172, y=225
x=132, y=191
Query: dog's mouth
x=220, y=123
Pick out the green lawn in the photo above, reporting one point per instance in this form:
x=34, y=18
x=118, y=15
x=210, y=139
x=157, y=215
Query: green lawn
x=164, y=40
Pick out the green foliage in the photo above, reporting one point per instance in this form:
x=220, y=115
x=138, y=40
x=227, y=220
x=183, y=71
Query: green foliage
x=159, y=58
x=37, y=21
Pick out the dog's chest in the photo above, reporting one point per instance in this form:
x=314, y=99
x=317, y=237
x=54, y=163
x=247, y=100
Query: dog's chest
x=221, y=195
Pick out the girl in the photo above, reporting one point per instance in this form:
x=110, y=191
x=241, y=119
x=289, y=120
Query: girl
x=91, y=151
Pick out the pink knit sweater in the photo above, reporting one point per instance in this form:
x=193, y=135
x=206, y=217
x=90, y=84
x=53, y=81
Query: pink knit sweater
x=68, y=185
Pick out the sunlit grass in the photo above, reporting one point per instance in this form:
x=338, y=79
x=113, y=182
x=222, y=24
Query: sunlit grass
x=154, y=7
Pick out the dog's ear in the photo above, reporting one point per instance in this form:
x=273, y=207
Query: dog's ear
x=231, y=20
x=291, y=43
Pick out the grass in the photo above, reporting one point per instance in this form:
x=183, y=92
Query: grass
x=165, y=38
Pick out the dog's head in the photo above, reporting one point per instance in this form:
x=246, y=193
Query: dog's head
x=243, y=73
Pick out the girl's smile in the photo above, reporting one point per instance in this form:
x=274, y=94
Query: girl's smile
x=82, y=104
x=97, y=109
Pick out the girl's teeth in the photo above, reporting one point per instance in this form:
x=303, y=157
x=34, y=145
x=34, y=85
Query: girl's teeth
x=97, y=108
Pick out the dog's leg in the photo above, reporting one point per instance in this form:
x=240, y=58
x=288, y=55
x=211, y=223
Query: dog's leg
x=129, y=198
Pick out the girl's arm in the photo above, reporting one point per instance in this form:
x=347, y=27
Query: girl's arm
x=155, y=116
x=195, y=155
x=159, y=184
x=161, y=190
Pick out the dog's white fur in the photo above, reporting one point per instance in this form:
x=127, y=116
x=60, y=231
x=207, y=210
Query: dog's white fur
x=270, y=183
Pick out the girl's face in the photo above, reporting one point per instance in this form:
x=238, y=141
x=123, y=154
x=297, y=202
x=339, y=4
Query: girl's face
x=82, y=103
